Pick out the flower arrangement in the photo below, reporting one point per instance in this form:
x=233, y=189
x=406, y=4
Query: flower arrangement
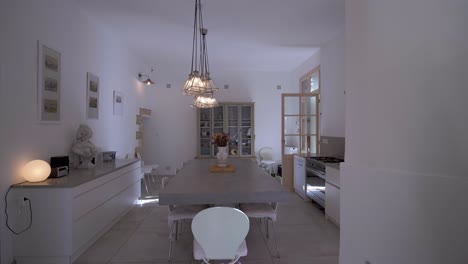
x=220, y=139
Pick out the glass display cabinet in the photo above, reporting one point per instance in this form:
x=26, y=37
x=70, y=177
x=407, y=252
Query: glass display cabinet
x=236, y=119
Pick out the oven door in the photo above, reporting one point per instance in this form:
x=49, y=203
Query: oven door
x=314, y=172
x=316, y=188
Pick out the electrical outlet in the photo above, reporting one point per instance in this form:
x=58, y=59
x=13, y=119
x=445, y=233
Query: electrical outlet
x=325, y=141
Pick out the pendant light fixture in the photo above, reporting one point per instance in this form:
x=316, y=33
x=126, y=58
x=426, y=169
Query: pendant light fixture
x=205, y=101
x=148, y=81
x=199, y=84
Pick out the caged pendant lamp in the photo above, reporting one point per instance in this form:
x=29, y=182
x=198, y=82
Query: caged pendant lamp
x=199, y=84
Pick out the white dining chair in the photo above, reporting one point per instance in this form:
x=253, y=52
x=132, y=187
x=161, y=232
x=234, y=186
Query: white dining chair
x=265, y=159
x=266, y=212
x=178, y=213
x=219, y=234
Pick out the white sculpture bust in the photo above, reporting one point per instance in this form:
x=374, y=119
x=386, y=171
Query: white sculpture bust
x=84, y=148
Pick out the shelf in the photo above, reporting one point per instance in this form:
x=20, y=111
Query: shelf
x=145, y=112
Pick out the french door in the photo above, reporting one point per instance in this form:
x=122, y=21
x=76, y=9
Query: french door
x=300, y=130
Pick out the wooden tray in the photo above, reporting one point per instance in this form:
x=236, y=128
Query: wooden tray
x=228, y=168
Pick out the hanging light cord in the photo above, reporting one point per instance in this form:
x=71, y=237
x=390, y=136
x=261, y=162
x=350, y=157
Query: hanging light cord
x=201, y=33
x=194, y=42
x=6, y=213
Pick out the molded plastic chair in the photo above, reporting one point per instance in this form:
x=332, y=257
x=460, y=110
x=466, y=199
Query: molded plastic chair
x=266, y=159
x=263, y=211
x=219, y=234
x=177, y=213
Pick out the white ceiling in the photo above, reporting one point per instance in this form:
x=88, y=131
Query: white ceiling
x=275, y=35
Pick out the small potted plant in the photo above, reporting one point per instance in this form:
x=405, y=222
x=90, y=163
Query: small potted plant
x=221, y=140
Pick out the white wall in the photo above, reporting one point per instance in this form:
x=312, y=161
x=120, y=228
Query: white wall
x=332, y=104
x=170, y=133
x=404, y=184
x=84, y=46
x=305, y=67
x=332, y=87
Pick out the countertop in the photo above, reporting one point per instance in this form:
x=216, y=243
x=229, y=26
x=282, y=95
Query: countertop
x=333, y=165
x=79, y=176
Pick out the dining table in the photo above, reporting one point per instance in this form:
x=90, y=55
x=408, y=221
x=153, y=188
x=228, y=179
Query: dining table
x=195, y=183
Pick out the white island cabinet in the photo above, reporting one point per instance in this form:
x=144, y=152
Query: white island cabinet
x=332, y=193
x=70, y=213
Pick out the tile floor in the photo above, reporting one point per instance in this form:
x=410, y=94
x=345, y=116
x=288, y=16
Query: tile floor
x=141, y=237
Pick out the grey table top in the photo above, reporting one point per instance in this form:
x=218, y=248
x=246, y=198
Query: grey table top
x=77, y=177
x=195, y=184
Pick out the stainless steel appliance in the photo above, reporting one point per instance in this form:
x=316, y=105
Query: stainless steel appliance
x=315, y=169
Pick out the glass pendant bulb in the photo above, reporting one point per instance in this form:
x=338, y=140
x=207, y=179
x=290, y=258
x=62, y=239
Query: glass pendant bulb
x=194, y=85
x=205, y=101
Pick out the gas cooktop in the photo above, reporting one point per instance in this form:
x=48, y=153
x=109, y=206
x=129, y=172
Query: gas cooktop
x=327, y=159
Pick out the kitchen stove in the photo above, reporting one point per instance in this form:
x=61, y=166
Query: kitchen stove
x=316, y=165
x=315, y=168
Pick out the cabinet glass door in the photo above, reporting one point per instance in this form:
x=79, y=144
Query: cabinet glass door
x=205, y=132
x=218, y=123
x=246, y=131
x=233, y=129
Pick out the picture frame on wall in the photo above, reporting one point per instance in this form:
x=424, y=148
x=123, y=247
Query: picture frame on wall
x=92, y=96
x=49, y=69
x=118, y=103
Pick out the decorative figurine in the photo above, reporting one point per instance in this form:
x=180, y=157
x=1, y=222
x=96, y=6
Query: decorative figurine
x=84, y=148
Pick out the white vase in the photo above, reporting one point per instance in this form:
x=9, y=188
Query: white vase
x=222, y=156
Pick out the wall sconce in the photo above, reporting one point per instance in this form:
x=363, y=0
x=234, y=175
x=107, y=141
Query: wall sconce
x=36, y=171
x=148, y=81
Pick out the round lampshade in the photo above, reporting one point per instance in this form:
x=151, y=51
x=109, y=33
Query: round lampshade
x=36, y=171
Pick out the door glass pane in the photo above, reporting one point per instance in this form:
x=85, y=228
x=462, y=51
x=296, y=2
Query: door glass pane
x=308, y=144
x=233, y=130
x=308, y=125
x=205, y=147
x=305, y=85
x=233, y=118
x=246, y=147
x=314, y=82
x=309, y=105
x=291, y=145
x=233, y=147
x=218, y=118
x=205, y=132
x=291, y=125
x=291, y=105
x=205, y=114
x=246, y=125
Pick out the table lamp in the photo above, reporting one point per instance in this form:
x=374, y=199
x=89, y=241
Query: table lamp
x=36, y=171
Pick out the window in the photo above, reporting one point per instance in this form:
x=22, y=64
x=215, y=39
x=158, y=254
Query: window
x=310, y=82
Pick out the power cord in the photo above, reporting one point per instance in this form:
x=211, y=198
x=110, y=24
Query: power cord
x=6, y=213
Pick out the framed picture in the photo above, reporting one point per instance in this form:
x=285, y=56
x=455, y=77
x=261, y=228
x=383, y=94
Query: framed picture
x=49, y=86
x=92, y=96
x=118, y=103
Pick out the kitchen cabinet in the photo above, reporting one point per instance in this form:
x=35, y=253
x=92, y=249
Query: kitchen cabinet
x=300, y=176
x=236, y=119
x=332, y=194
x=72, y=212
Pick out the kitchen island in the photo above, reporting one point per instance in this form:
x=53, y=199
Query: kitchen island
x=69, y=214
